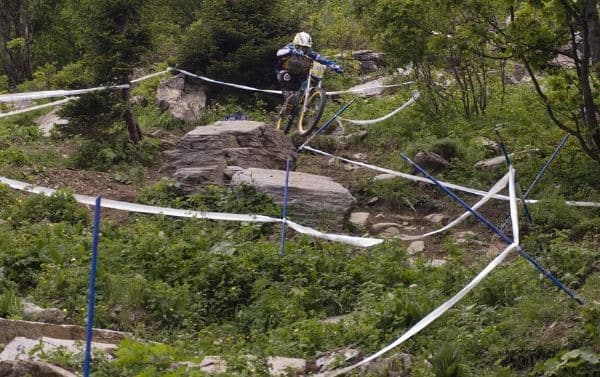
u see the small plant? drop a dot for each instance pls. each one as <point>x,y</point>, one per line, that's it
<point>60,206</point>
<point>447,362</point>
<point>10,303</point>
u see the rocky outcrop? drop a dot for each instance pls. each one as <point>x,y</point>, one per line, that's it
<point>312,199</point>
<point>10,329</point>
<point>27,368</point>
<point>370,61</point>
<point>184,98</point>
<point>211,154</point>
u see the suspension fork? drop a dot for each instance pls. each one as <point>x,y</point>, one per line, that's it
<point>306,94</point>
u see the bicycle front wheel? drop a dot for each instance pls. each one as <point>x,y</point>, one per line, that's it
<point>314,110</point>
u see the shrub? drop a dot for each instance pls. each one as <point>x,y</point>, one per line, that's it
<point>60,206</point>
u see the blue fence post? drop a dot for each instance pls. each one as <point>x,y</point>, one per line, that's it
<point>508,164</point>
<point>540,173</point>
<point>491,226</point>
<point>284,212</point>
<point>92,292</point>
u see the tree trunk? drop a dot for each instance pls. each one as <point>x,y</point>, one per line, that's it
<point>135,133</point>
<point>590,15</point>
<point>14,23</point>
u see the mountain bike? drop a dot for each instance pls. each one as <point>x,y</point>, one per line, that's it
<point>308,104</point>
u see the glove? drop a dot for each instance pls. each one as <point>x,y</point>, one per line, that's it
<point>336,68</point>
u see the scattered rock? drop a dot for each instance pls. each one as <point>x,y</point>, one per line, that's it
<point>416,247</point>
<point>390,232</point>
<point>337,358</point>
<point>359,219</point>
<point>27,368</point>
<point>350,167</point>
<point>404,218</point>
<point>500,160</point>
<point>490,162</point>
<point>372,201</point>
<point>437,262</point>
<point>384,177</point>
<point>213,365</point>
<point>431,161</point>
<point>398,365</point>
<point>32,312</point>
<point>48,121</point>
<point>436,218</point>
<point>204,154</point>
<point>488,144</point>
<point>464,237</point>
<point>185,99</point>
<point>281,366</point>
<point>383,226</point>
<point>312,199</point>
<point>359,156</point>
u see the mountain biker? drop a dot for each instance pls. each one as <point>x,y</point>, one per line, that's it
<point>295,61</point>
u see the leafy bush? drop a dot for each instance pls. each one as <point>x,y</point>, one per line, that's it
<point>58,207</point>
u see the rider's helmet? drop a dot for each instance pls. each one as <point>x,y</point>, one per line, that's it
<point>302,40</point>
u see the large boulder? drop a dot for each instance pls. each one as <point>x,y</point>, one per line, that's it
<point>210,154</point>
<point>313,200</point>
<point>183,97</point>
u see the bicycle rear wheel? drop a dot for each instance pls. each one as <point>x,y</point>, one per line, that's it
<point>314,110</point>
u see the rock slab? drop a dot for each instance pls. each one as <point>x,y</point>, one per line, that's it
<point>211,154</point>
<point>10,329</point>
<point>313,200</point>
<point>28,368</point>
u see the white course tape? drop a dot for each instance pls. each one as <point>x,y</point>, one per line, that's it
<point>350,240</point>
<point>32,108</point>
<point>412,100</point>
<point>446,184</point>
<point>501,184</point>
<point>142,208</point>
<point>436,313</point>
<point>404,175</point>
<point>514,214</point>
<point>363,90</point>
<point>16,97</point>
<point>245,87</point>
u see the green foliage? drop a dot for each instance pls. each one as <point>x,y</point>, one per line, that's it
<point>577,362</point>
<point>236,41</point>
<point>10,303</point>
<point>112,154</point>
<point>60,206</point>
<point>447,362</point>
